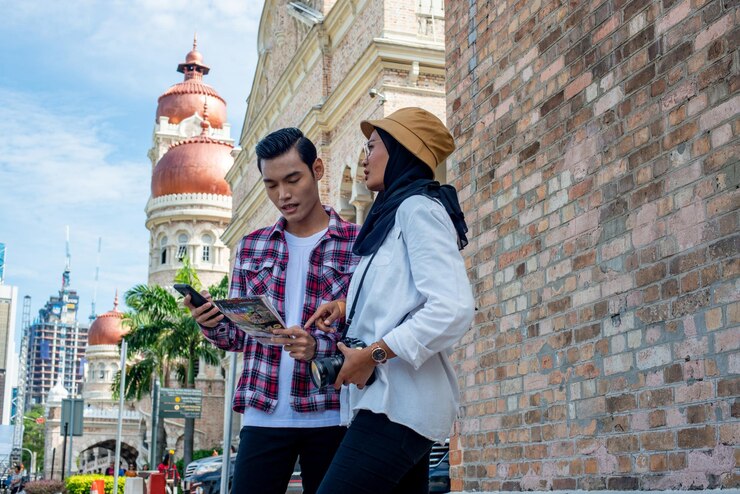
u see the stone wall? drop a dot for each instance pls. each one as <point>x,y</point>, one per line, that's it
<point>598,169</point>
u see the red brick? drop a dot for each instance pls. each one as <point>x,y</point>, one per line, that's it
<point>701,437</point>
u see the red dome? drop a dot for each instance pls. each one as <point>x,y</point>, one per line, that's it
<point>195,165</point>
<point>107,329</point>
<point>186,98</point>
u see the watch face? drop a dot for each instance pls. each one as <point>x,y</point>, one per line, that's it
<point>379,355</point>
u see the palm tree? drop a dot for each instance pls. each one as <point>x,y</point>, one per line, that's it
<point>164,339</point>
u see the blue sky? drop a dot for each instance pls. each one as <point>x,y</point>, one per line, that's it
<point>79,82</point>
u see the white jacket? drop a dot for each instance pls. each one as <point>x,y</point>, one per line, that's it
<point>418,271</point>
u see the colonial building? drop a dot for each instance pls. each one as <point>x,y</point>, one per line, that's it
<point>94,450</point>
<point>190,203</point>
<point>189,208</point>
<point>598,171</point>
<point>323,67</point>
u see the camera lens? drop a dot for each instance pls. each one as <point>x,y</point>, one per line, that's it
<point>317,373</point>
<point>324,371</point>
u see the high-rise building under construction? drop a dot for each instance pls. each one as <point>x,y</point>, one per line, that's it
<point>57,343</point>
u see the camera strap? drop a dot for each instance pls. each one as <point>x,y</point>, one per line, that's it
<point>351,315</point>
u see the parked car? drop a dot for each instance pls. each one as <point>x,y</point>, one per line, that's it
<point>193,466</point>
<point>439,467</point>
<point>206,478</point>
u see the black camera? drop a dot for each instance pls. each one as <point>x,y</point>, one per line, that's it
<point>324,371</point>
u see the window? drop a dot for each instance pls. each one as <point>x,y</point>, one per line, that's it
<point>207,241</point>
<point>182,247</point>
<point>163,250</point>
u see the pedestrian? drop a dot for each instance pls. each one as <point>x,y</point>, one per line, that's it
<point>413,302</point>
<point>168,468</point>
<point>301,261</point>
<point>16,480</point>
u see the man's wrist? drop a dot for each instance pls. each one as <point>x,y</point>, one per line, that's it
<point>313,349</point>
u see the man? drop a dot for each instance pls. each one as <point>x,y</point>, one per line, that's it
<point>300,262</point>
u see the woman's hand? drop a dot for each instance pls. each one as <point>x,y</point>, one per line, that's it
<point>326,315</point>
<point>300,344</point>
<point>357,368</point>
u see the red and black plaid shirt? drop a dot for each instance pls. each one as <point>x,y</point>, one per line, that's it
<point>259,268</point>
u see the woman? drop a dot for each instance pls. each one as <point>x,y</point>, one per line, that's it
<point>169,469</point>
<point>412,306</point>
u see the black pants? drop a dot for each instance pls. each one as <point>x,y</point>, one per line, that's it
<point>378,456</point>
<point>267,455</point>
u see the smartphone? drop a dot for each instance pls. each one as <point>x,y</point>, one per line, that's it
<point>195,298</point>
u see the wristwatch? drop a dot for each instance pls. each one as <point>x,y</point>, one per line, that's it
<point>377,353</point>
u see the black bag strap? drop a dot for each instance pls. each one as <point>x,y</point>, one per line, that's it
<point>351,315</point>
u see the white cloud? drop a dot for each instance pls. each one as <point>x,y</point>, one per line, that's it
<point>79,92</point>
<point>56,170</point>
<point>133,48</point>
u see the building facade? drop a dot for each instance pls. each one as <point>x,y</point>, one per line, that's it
<point>323,67</point>
<point>597,168</point>
<point>8,354</point>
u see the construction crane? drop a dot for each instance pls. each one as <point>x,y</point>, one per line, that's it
<point>20,398</point>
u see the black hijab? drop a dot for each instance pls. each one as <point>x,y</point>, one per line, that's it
<point>405,176</point>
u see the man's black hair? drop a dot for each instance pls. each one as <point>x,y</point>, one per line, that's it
<point>281,141</point>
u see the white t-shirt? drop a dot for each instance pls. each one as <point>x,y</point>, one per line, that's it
<point>296,276</point>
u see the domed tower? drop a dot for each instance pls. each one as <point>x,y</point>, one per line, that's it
<point>190,203</point>
<point>103,356</point>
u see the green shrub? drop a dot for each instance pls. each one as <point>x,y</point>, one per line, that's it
<point>44,487</point>
<point>80,484</point>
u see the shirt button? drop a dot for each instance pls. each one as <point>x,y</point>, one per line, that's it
<point>341,268</point>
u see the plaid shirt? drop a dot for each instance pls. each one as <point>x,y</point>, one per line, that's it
<point>260,268</point>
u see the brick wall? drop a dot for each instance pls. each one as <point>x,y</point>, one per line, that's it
<point>598,169</point>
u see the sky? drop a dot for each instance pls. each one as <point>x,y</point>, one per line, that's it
<point>79,82</point>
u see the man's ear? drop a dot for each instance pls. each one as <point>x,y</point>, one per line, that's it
<point>318,169</point>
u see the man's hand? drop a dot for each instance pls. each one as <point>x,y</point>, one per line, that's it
<point>326,315</point>
<point>300,344</point>
<point>206,315</point>
<point>357,368</point>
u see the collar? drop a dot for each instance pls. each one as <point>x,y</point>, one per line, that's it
<point>338,227</point>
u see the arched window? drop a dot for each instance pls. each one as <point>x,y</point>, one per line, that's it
<point>182,246</point>
<point>101,372</point>
<point>207,243</point>
<point>163,250</point>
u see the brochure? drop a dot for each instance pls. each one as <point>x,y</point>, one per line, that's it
<point>256,316</point>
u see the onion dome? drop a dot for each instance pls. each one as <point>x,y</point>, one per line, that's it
<point>195,165</point>
<point>107,329</point>
<point>184,99</point>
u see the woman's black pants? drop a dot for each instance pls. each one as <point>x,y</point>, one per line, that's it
<point>378,456</point>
